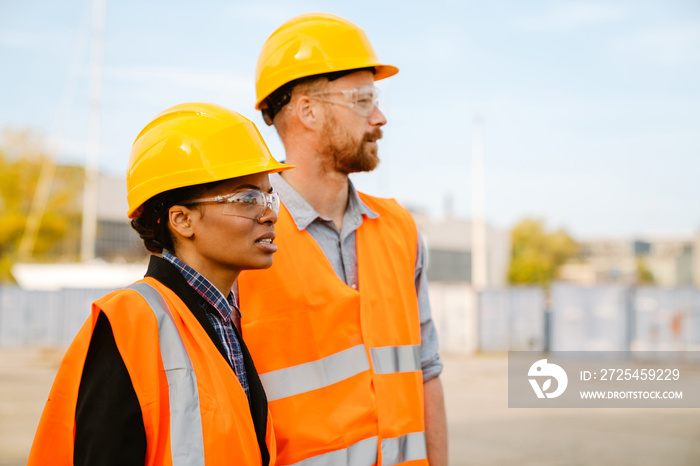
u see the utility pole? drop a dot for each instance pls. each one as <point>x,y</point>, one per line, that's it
<point>48,167</point>
<point>89,227</point>
<point>479,247</point>
<point>38,207</point>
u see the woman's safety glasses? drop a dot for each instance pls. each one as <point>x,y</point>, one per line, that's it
<point>362,99</point>
<point>251,203</point>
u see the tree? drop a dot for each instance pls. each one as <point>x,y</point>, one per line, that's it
<point>22,155</point>
<point>643,274</point>
<point>537,254</point>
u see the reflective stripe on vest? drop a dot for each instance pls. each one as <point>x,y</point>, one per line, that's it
<point>186,438</point>
<point>326,371</point>
<point>408,447</point>
<point>315,374</point>
<point>397,450</point>
<point>391,359</point>
<point>363,453</point>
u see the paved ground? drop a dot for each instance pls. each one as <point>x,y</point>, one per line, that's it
<point>483,431</point>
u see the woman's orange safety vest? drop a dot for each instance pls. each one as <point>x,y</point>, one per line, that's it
<point>340,366</point>
<point>195,411</point>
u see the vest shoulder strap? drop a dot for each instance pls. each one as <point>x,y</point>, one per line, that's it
<point>186,437</point>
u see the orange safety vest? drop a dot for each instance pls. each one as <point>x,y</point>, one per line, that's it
<point>195,411</point>
<point>341,367</point>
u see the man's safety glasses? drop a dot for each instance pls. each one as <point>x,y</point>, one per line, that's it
<point>362,99</point>
<point>250,203</point>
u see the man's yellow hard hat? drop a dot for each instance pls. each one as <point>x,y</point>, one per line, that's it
<point>190,144</point>
<point>311,44</point>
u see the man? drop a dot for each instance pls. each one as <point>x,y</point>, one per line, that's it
<point>340,327</point>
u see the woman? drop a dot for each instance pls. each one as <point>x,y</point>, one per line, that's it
<point>159,375</point>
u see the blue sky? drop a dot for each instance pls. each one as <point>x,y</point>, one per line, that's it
<point>590,108</point>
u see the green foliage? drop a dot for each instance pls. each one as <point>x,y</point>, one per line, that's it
<point>537,254</point>
<point>643,273</point>
<point>21,158</point>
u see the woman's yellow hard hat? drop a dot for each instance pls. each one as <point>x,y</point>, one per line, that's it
<point>190,144</point>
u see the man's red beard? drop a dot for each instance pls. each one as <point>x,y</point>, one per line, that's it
<point>348,155</point>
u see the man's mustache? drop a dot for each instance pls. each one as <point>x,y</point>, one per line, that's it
<point>373,135</point>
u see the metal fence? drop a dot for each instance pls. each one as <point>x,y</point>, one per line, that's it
<point>590,318</point>
<point>50,318</point>
<point>454,314</point>
<point>666,320</point>
<point>611,318</point>
<point>512,319</point>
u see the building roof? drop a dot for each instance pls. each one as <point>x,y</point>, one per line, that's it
<point>111,198</point>
<point>95,274</point>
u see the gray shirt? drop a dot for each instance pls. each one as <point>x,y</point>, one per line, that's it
<point>339,246</point>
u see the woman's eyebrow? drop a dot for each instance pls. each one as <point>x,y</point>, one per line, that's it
<point>252,186</point>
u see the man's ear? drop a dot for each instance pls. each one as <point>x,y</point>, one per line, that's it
<point>306,111</point>
<point>180,220</point>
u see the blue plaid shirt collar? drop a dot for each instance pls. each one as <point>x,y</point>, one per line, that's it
<point>223,305</point>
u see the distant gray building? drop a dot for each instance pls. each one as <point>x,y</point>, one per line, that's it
<point>449,245</point>
<point>116,240</point>
<point>671,260</point>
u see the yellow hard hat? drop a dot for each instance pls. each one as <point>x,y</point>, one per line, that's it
<point>311,44</point>
<point>191,144</point>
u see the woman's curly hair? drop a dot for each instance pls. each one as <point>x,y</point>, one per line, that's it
<point>152,225</point>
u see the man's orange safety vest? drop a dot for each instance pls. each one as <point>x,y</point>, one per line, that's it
<point>340,366</point>
<point>194,409</point>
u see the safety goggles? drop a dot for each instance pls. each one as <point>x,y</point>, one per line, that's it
<point>250,203</point>
<point>362,99</point>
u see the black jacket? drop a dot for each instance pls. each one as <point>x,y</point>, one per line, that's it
<point>109,424</point>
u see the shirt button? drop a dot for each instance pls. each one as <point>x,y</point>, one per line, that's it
<point>354,286</point>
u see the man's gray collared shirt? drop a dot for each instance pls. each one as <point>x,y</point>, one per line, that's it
<point>339,246</point>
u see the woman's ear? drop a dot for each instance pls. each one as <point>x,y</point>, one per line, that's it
<point>180,220</point>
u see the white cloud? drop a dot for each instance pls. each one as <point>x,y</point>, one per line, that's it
<point>200,79</point>
<point>274,13</point>
<point>443,46</point>
<point>671,45</point>
<point>21,39</point>
<point>565,16</point>
<point>75,151</point>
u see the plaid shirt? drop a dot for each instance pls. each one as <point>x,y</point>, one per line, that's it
<point>221,319</point>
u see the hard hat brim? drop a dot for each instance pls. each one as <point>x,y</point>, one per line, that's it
<point>176,181</point>
<point>381,72</point>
